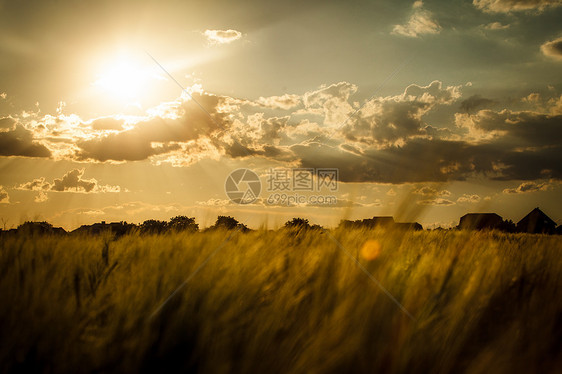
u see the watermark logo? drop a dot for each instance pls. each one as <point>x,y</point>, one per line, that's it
<point>287,186</point>
<point>242,186</point>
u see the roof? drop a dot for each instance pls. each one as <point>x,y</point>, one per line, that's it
<point>481,215</point>
<point>535,215</point>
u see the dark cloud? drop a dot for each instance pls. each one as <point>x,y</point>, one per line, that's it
<point>72,181</point>
<point>434,160</point>
<point>129,145</point>
<point>182,122</point>
<point>475,103</point>
<point>419,160</point>
<point>20,142</point>
<point>516,129</point>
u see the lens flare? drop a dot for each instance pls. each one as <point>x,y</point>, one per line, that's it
<point>371,249</point>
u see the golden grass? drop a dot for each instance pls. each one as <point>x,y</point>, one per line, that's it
<point>282,302</point>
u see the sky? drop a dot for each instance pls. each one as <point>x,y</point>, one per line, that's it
<point>421,110</point>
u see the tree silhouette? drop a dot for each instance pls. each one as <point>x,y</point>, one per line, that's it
<point>153,226</point>
<point>228,223</point>
<point>301,224</point>
<point>183,223</point>
<point>35,227</point>
<point>298,223</point>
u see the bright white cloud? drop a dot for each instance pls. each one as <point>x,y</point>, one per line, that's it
<point>420,22</point>
<point>222,36</point>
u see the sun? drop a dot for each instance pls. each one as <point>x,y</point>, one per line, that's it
<point>124,79</point>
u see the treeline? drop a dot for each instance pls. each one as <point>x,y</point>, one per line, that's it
<point>188,224</point>
<point>150,227</point>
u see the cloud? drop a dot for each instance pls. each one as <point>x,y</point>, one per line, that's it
<point>468,198</point>
<point>389,140</point>
<point>106,123</point>
<point>421,22</point>
<point>430,191</point>
<point>439,160</point>
<point>553,48</point>
<point>285,102</point>
<point>527,187</point>
<point>331,102</point>
<point>556,108</point>
<point>496,26</point>
<point>532,98</point>
<point>436,202</point>
<point>72,181</point>
<point>475,103</point>
<point>222,36</point>
<point>7,123</point>
<point>41,197</point>
<point>214,202</point>
<point>39,184</point>
<point>506,6</point>
<point>171,129</point>
<point>512,129</point>
<point>20,142</point>
<point>418,160</point>
<point>393,119</point>
<point>4,197</point>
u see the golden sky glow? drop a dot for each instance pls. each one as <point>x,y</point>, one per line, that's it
<point>428,109</point>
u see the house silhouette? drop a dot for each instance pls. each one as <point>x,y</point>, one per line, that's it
<point>480,221</point>
<point>536,222</point>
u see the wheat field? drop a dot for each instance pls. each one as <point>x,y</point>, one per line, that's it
<point>284,301</point>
